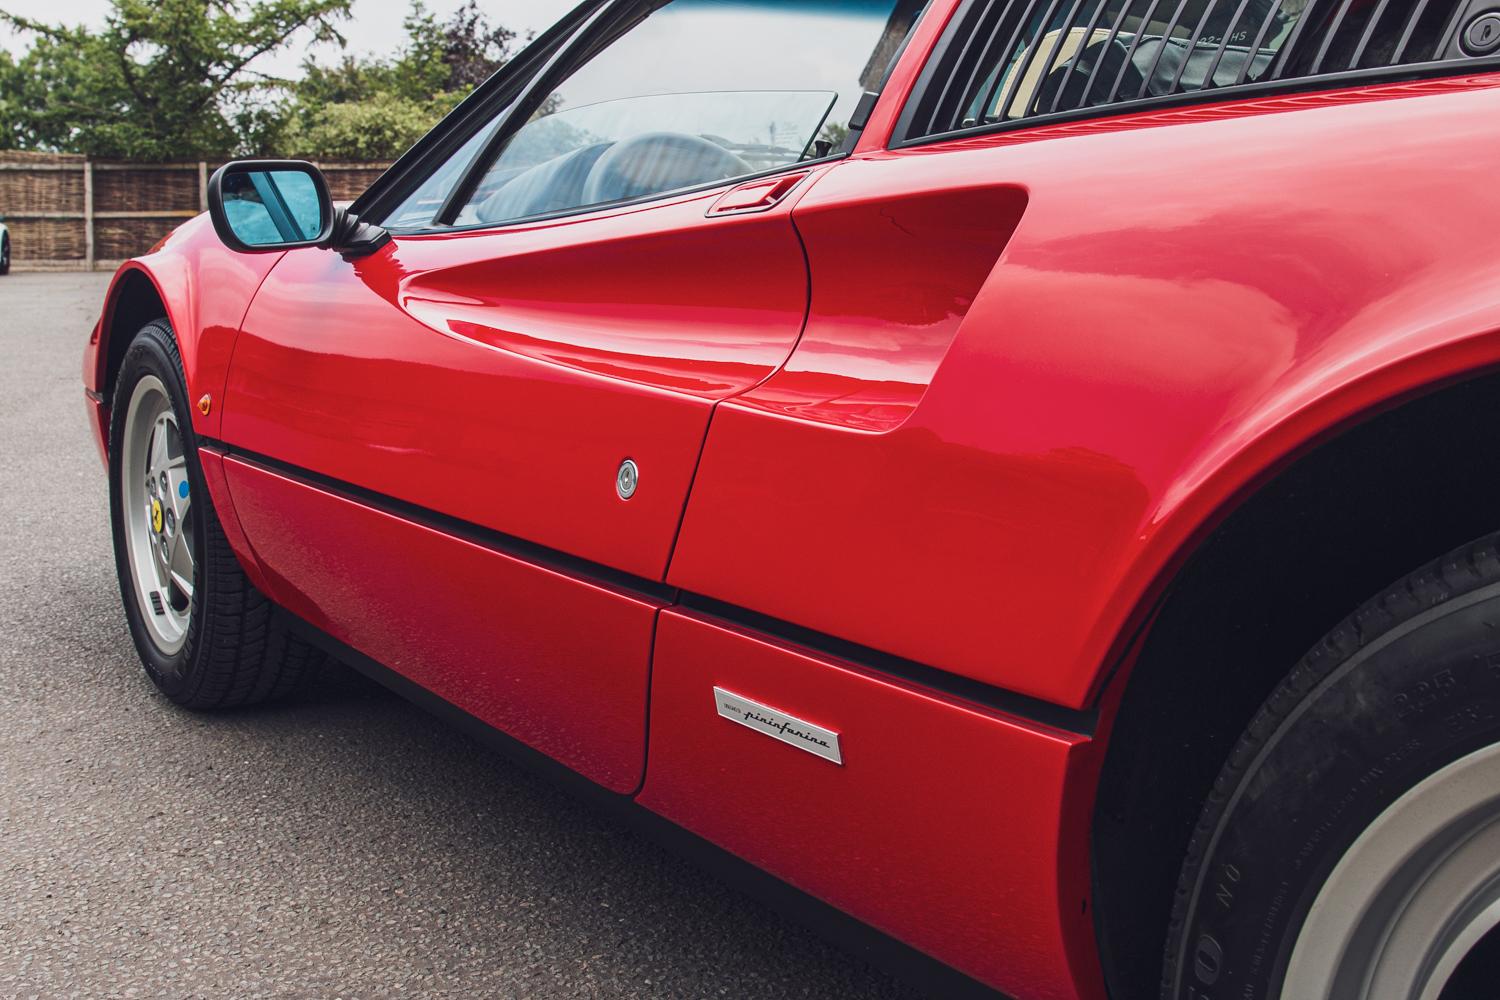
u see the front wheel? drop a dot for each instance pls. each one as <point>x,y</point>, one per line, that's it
<point>1350,849</point>
<point>5,255</point>
<point>206,636</point>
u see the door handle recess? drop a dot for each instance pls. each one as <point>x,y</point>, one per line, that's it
<point>757,196</point>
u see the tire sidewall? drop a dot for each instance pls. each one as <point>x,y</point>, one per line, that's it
<point>154,352</point>
<point>1393,713</point>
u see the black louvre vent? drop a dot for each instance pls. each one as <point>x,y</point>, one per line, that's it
<point>1016,60</point>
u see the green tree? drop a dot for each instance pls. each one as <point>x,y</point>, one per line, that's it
<point>163,79</point>
<point>375,108</point>
<point>377,128</point>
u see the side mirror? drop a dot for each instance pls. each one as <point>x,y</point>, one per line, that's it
<point>261,206</point>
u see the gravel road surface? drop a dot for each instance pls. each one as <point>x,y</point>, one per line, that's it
<point>348,846</point>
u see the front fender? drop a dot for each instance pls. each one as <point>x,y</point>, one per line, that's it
<point>203,289</point>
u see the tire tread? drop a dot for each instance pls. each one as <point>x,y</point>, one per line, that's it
<point>242,654</point>
<point>1466,569</point>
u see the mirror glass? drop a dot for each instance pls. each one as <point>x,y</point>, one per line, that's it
<point>267,207</point>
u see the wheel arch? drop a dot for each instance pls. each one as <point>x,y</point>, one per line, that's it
<point>134,299</point>
<point>1376,477</point>
<point>172,282</point>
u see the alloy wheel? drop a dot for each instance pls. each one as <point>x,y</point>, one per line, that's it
<point>157,515</point>
<point>1415,895</point>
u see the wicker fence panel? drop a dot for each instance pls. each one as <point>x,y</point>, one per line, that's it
<point>121,239</point>
<point>65,212</point>
<point>119,189</point>
<point>39,191</point>
<point>347,181</point>
<point>54,240</point>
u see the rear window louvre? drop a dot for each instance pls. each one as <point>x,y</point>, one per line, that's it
<point>1006,62</point>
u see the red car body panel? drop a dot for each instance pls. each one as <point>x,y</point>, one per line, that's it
<point>494,635</point>
<point>502,378</point>
<point>1012,381</point>
<point>181,269</point>
<point>1171,319</point>
<point>961,861</point>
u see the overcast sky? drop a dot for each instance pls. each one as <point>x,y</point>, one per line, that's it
<point>375,26</point>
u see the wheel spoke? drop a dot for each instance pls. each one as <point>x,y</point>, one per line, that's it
<point>180,564</point>
<point>156,459</point>
<point>159,536</point>
<point>179,495</point>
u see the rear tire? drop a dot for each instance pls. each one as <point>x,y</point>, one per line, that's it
<point>5,255</point>
<point>1349,801</point>
<point>207,638</point>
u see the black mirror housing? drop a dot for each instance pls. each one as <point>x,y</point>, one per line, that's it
<point>267,206</point>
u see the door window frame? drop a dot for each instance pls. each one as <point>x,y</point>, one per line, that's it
<point>515,96</point>
<point>489,101</point>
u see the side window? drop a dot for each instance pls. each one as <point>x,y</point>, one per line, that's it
<point>1006,61</point>
<point>418,208</point>
<point>422,206</point>
<point>696,92</point>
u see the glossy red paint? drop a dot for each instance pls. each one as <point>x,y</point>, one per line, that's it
<point>1190,298</point>
<point>876,135</point>
<point>922,832</point>
<point>498,637</point>
<point>206,289</point>
<point>502,377</point>
<point>760,195</point>
<point>1035,367</point>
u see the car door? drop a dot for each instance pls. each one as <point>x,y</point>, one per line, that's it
<point>467,454</point>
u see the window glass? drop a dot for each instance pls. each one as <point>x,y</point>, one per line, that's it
<point>268,207</point>
<point>423,204</point>
<point>1141,49</point>
<point>1009,60</point>
<point>420,208</point>
<point>699,91</point>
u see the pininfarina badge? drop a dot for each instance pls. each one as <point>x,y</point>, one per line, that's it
<point>778,725</point>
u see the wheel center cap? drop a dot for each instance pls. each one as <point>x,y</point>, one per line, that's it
<point>156,516</point>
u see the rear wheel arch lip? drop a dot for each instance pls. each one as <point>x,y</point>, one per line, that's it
<point>1204,498</point>
<point>1250,471</point>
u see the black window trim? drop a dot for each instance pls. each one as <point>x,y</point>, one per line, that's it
<point>612,20</point>
<point>476,112</point>
<point>901,137</point>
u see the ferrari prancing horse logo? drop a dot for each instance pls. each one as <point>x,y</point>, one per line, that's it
<point>156,516</point>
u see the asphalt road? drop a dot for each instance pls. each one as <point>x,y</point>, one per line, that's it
<point>348,846</point>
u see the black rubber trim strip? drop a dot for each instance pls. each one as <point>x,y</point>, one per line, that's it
<point>847,932</point>
<point>955,686</point>
<point>1023,707</point>
<point>489,538</point>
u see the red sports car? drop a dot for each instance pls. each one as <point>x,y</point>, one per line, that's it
<point>1022,472</point>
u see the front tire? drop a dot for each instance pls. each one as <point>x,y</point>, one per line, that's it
<point>1351,845</point>
<point>207,638</point>
<point>4,255</point>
